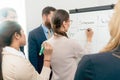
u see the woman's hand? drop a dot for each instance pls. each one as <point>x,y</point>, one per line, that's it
<point>89,34</point>
<point>47,53</point>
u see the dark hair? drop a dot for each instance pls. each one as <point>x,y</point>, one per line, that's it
<point>4,12</point>
<point>7,30</point>
<point>47,10</point>
<point>57,20</point>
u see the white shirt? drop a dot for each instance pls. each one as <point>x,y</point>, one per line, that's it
<point>16,67</point>
<point>14,51</point>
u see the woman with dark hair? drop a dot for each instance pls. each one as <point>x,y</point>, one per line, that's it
<point>66,51</point>
<point>14,64</point>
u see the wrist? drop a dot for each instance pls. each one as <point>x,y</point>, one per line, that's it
<point>47,63</point>
<point>89,40</point>
<point>47,58</point>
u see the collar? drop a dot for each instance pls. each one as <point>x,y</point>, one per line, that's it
<point>45,28</point>
<point>13,51</point>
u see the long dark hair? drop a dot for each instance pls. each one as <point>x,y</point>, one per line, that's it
<point>57,20</point>
<point>7,30</point>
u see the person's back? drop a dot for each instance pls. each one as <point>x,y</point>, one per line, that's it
<point>103,66</point>
<point>66,51</point>
<point>64,57</point>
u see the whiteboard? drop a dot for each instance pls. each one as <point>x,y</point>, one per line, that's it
<point>96,20</point>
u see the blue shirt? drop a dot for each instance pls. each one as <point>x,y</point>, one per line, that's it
<point>45,29</point>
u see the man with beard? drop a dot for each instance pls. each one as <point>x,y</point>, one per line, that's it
<point>37,36</point>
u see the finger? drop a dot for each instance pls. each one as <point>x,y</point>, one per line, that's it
<point>44,43</point>
<point>89,29</point>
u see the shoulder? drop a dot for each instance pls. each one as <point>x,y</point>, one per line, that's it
<point>98,55</point>
<point>103,55</point>
<point>97,58</point>
<point>50,39</point>
<point>36,30</point>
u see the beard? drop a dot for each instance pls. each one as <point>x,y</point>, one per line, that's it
<point>48,24</point>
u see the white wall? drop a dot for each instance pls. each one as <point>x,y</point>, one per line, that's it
<point>34,8</point>
<point>19,9</point>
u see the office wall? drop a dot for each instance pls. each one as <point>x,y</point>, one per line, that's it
<point>34,8</point>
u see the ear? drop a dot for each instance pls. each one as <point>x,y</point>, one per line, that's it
<point>17,36</point>
<point>64,24</point>
<point>44,17</point>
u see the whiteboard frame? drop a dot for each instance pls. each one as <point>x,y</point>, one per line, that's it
<point>97,8</point>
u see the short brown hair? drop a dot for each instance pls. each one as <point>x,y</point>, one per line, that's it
<point>47,10</point>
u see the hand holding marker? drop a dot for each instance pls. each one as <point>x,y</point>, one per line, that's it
<point>45,48</point>
<point>88,29</point>
<point>41,50</point>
